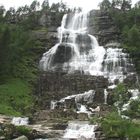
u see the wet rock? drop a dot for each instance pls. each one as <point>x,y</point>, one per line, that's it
<point>102,26</point>
<point>21,138</point>
<point>60,126</point>
<point>70,103</point>
<point>2,138</point>
<point>57,85</point>
<point>84,42</point>
<point>82,116</point>
<point>98,134</point>
<point>5,119</point>
<point>57,113</point>
<point>55,135</point>
<point>63,54</point>
<point>111,100</point>
<point>131,80</point>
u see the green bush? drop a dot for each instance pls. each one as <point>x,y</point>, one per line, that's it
<point>23,130</point>
<point>134,109</point>
<point>121,95</point>
<point>114,126</point>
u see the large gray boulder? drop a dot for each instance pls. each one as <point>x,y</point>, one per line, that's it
<point>21,138</point>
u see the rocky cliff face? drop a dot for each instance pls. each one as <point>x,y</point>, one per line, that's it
<point>57,85</point>
<point>101,25</point>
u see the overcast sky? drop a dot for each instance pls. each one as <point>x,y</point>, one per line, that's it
<point>85,4</point>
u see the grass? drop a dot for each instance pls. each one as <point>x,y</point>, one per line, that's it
<point>15,97</point>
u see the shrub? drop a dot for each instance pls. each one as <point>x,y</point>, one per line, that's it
<point>114,126</point>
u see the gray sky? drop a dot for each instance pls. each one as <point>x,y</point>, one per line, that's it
<point>85,4</point>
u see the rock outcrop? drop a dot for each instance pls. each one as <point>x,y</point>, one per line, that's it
<point>57,85</point>
<point>101,25</point>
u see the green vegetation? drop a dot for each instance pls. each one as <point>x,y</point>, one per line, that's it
<point>123,125</point>
<point>17,56</point>
<point>22,130</point>
<point>17,69</point>
<point>114,126</point>
<point>15,97</point>
<point>20,52</point>
<point>9,131</point>
<point>134,109</point>
<point>121,96</point>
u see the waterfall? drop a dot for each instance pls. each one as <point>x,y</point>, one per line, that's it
<point>18,121</point>
<point>105,96</point>
<point>77,50</point>
<point>86,97</point>
<point>53,104</point>
<point>80,130</point>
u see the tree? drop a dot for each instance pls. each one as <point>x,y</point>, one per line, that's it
<point>126,5</point>
<point>117,4</point>
<point>34,6</point>
<point>2,10</point>
<point>63,7</point>
<point>11,15</point>
<point>4,51</point>
<point>45,5</point>
<point>123,5</point>
<point>55,7</point>
<point>26,9</point>
<point>137,5</point>
<point>134,36</point>
<point>105,5</point>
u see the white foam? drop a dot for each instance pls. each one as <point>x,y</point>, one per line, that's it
<point>105,96</point>
<point>135,94</point>
<point>20,121</point>
<point>80,130</point>
<point>112,86</point>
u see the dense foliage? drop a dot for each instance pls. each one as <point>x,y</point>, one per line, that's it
<point>114,126</point>
<point>20,52</point>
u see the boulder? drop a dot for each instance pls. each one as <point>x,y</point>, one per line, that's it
<point>21,138</point>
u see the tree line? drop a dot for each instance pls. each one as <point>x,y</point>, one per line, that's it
<point>17,44</point>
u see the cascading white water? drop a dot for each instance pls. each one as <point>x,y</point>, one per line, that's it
<point>105,96</point>
<point>18,121</point>
<point>53,104</point>
<point>79,51</point>
<point>135,94</point>
<point>115,64</point>
<point>80,130</point>
<point>86,97</point>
